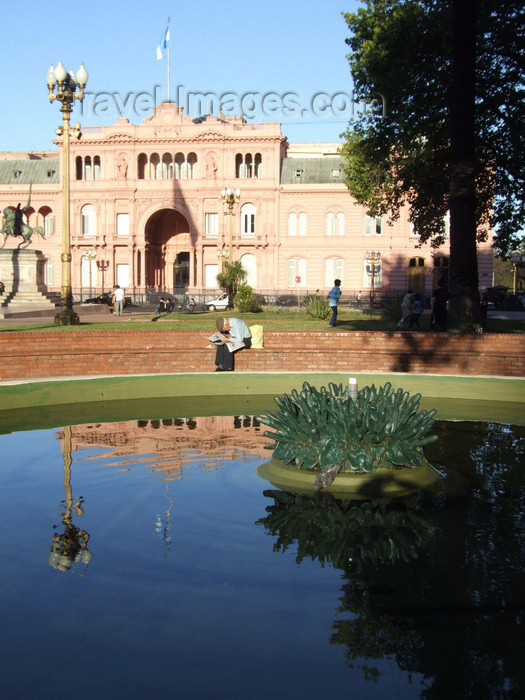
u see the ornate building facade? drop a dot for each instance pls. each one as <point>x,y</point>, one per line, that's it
<point>146,212</point>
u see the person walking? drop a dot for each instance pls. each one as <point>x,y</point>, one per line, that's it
<point>333,300</point>
<point>406,308</point>
<point>438,311</point>
<point>118,297</point>
<point>417,309</point>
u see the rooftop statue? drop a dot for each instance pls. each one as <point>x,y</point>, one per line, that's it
<point>14,224</point>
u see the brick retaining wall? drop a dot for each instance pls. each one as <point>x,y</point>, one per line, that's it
<point>84,353</point>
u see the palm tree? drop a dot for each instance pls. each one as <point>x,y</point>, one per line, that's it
<point>233,274</point>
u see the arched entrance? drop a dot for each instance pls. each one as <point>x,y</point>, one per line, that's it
<point>168,250</point>
<point>416,275</point>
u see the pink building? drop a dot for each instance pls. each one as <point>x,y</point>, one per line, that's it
<point>147,212</point>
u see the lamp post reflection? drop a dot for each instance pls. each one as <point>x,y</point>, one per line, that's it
<point>71,546</point>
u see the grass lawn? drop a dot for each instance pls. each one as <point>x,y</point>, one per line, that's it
<point>282,320</point>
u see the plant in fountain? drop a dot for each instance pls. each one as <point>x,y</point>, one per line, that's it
<point>329,431</point>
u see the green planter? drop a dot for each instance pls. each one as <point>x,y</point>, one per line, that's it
<point>382,483</point>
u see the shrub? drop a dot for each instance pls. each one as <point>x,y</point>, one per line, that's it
<point>392,308</point>
<point>316,307</point>
<point>245,300</point>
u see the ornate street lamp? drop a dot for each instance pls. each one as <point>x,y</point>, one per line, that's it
<point>69,87</point>
<point>90,255</point>
<point>230,198</point>
<point>373,268</point>
<point>222,255</point>
<point>517,260</point>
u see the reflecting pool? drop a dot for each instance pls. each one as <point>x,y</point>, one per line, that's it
<point>147,559</point>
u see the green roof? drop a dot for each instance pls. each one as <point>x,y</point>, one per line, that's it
<point>25,172</point>
<point>311,171</point>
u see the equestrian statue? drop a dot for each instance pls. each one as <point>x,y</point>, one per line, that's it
<point>14,224</point>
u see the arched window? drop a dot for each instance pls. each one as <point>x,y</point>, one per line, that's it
<point>155,167</point>
<point>302,224</point>
<point>340,224</point>
<point>373,224</point>
<point>167,166</point>
<point>238,165</point>
<point>297,271</point>
<point>334,269</point>
<point>249,263</point>
<point>330,224</point>
<point>179,165</point>
<point>96,168</point>
<point>78,168</point>
<point>248,220</point>
<point>88,170</point>
<point>292,224</point>
<point>248,160</point>
<point>192,165</point>
<point>258,165</point>
<point>248,165</point>
<point>49,224</point>
<point>88,220</point>
<point>142,161</point>
<point>292,266</point>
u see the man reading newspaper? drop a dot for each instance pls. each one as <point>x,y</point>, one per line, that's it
<point>232,334</point>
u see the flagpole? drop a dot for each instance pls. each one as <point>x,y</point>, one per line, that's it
<point>169,43</point>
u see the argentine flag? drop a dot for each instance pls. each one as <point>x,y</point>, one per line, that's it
<point>163,43</point>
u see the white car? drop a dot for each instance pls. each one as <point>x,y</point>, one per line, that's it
<point>220,303</point>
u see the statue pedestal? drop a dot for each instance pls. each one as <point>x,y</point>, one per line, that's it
<point>21,273</point>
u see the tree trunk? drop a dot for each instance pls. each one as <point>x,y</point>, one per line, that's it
<point>463,248</point>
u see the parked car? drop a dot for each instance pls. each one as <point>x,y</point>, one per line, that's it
<point>105,299</point>
<point>219,304</point>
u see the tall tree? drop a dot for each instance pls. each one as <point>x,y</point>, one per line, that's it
<point>463,256</point>
<point>402,153</point>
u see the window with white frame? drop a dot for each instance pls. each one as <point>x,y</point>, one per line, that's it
<point>211,220</point>
<point>248,220</point>
<point>48,272</point>
<point>297,271</point>
<point>49,225</point>
<point>88,272</point>
<point>447,224</point>
<point>340,224</point>
<point>330,224</point>
<point>377,270</point>
<point>210,276</point>
<point>122,225</point>
<point>302,224</point>
<point>292,224</point>
<point>249,263</point>
<point>373,224</point>
<point>334,269</point>
<point>89,220</point>
<point>335,225</point>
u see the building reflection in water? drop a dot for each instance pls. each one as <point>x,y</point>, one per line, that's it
<point>167,447</point>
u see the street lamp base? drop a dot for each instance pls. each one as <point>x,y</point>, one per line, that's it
<point>67,317</point>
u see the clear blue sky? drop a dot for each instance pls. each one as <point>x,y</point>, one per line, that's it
<point>295,49</point>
